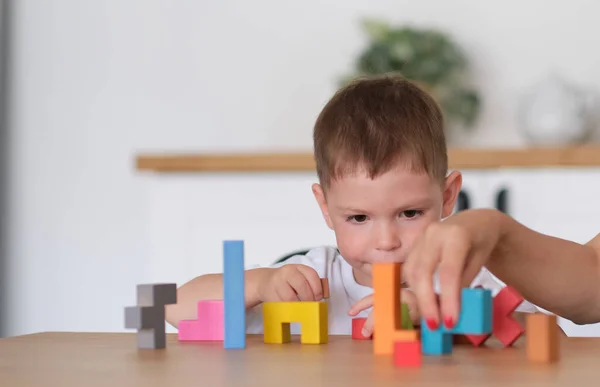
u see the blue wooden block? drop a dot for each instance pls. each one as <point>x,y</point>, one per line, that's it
<point>475,312</point>
<point>475,319</point>
<point>233,295</point>
<point>435,343</point>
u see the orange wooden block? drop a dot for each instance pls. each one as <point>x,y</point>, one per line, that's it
<point>387,309</point>
<point>542,338</point>
<point>325,286</point>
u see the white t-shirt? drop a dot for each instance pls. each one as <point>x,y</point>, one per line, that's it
<point>344,291</point>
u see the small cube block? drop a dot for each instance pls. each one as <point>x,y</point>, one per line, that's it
<point>357,326</point>
<point>152,338</point>
<point>542,338</point>
<point>407,353</point>
<point>325,286</point>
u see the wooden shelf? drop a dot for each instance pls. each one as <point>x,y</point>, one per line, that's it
<point>576,156</point>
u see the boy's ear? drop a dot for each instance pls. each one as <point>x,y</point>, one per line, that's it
<point>452,187</point>
<point>320,196</point>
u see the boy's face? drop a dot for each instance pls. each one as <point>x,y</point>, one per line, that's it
<point>378,220</point>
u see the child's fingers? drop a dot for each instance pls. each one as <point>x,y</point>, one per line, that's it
<point>360,305</point>
<point>419,268</point>
<point>451,267</point>
<point>301,286</point>
<point>314,281</point>
<point>285,292</point>
<point>367,329</point>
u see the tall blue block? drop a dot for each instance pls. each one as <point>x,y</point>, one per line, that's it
<point>475,319</point>
<point>233,295</point>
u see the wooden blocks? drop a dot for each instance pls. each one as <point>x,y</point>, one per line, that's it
<point>405,321</point>
<point>325,287</point>
<point>542,338</point>
<point>233,295</point>
<point>148,317</point>
<point>475,318</point>
<point>207,327</point>
<point>387,309</point>
<point>359,322</point>
<point>357,326</point>
<point>407,354</point>
<point>504,326</point>
<point>312,316</point>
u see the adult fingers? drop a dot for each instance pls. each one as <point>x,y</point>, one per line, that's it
<point>314,281</point>
<point>419,268</point>
<point>454,253</point>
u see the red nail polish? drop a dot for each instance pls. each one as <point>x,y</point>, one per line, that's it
<point>449,322</point>
<point>432,324</point>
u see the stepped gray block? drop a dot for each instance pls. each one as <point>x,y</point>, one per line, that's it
<point>156,294</point>
<point>148,317</point>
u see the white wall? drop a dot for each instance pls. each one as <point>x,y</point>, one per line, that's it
<point>94,82</point>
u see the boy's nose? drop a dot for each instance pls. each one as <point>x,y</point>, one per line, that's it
<point>388,240</point>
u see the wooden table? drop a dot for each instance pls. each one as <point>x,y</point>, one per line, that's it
<point>112,359</point>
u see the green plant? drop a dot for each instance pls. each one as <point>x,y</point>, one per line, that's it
<point>427,57</point>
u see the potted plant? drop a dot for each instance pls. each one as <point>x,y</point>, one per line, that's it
<point>425,56</point>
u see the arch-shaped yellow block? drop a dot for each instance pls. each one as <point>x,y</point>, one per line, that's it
<point>312,316</point>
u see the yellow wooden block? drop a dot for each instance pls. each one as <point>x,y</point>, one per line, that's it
<point>312,316</point>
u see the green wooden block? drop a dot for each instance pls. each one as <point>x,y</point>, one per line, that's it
<point>406,322</point>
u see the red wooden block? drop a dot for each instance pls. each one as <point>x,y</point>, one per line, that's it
<point>477,340</point>
<point>504,326</point>
<point>357,326</point>
<point>407,354</point>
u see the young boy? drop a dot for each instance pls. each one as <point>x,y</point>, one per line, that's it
<point>382,166</point>
<point>560,276</point>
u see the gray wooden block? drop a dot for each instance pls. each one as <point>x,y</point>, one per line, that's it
<point>144,317</point>
<point>148,317</point>
<point>156,294</point>
<point>151,339</point>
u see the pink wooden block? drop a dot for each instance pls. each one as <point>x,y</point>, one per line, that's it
<point>208,326</point>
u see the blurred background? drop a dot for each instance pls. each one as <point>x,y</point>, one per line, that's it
<point>87,85</point>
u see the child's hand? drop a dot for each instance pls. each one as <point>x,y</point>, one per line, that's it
<point>457,248</point>
<point>407,297</point>
<point>291,283</point>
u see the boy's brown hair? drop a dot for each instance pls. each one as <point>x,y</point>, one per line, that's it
<point>375,123</point>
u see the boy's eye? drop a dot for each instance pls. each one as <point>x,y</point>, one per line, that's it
<point>411,213</point>
<point>357,218</point>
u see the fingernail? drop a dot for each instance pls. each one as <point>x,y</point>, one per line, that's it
<point>432,324</point>
<point>365,333</point>
<point>449,322</point>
